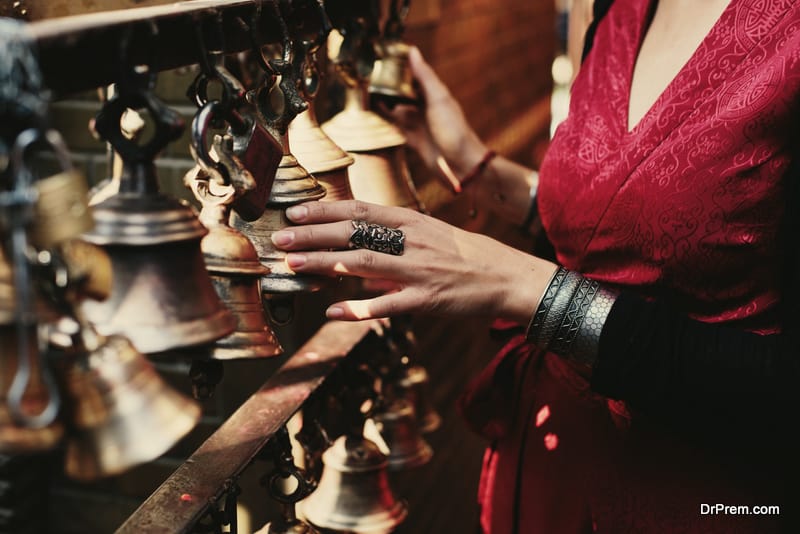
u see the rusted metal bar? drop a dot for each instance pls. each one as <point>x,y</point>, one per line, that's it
<point>82,52</point>
<point>199,482</point>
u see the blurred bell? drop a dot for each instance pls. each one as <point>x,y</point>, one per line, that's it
<point>380,172</point>
<point>406,447</point>
<point>353,493</point>
<point>320,155</point>
<point>232,263</point>
<point>391,79</point>
<point>123,413</point>
<point>293,185</point>
<point>16,437</point>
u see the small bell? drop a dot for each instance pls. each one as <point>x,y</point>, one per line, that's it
<point>123,413</point>
<point>293,183</point>
<point>162,296</point>
<point>397,425</point>
<point>353,493</point>
<point>232,263</point>
<point>391,79</point>
<point>380,172</point>
<point>320,155</point>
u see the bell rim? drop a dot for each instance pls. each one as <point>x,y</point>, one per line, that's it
<point>146,338</point>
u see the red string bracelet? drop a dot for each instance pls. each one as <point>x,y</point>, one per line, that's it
<point>478,169</point>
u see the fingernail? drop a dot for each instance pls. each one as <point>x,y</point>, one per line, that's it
<point>297,213</point>
<point>334,312</point>
<point>295,260</point>
<point>283,237</point>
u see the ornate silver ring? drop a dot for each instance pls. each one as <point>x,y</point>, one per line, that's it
<point>377,237</point>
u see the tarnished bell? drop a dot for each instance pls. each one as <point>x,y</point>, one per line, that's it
<point>391,78</point>
<point>412,385</point>
<point>353,493</point>
<point>15,438</point>
<point>397,425</point>
<point>232,262</point>
<point>162,297</point>
<point>293,184</point>
<point>380,172</point>
<point>323,158</point>
<point>123,412</point>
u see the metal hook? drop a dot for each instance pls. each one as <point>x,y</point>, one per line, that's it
<point>23,201</point>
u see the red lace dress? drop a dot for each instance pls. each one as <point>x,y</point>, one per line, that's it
<point>683,207</point>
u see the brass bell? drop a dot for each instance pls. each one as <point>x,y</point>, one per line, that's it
<point>391,78</point>
<point>162,297</point>
<point>354,493</point>
<point>380,172</point>
<point>397,425</point>
<point>123,413</point>
<point>293,184</point>
<point>320,155</point>
<point>233,265</point>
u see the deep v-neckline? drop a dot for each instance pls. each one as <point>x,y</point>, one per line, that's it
<point>647,18</point>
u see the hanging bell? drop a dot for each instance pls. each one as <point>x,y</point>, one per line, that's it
<point>233,265</point>
<point>397,425</point>
<point>162,297</point>
<point>326,161</point>
<point>353,493</point>
<point>293,185</point>
<point>391,79</point>
<point>380,172</point>
<point>123,413</point>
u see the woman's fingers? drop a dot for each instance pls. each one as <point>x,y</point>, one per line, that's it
<point>386,305</point>
<point>314,236</point>
<point>359,262</point>
<point>347,210</point>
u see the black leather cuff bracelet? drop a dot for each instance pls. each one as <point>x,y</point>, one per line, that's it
<point>570,316</point>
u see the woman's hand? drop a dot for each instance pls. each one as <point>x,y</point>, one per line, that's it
<point>442,269</point>
<point>438,130</point>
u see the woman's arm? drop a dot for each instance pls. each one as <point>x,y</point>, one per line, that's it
<point>438,130</point>
<point>661,361</point>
